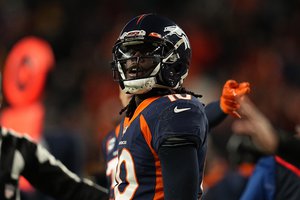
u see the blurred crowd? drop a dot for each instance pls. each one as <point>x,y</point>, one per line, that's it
<point>246,40</point>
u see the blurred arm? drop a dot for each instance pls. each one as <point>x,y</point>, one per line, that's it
<point>51,177</point>
<point>256,125</point>
<point>271,141</point>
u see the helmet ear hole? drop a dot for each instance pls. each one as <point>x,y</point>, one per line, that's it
<point>171,74</point>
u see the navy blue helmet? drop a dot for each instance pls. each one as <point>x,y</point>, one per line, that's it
<point>151,52</point>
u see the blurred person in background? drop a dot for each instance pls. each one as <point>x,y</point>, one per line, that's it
<point>277,176</point>
<point>20,155</point>
<point>265,135</point>
<point>24,77</point>
<point>227,179</point>
<point>25,73</point>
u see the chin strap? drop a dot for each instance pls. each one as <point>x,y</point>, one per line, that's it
<point>139,86</point>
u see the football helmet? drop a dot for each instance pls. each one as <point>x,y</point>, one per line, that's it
<point>151,52</point>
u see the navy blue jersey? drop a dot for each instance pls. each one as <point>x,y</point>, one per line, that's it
<point>138,172</point>
<point>109,144</point>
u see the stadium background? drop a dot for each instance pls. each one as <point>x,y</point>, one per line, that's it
<point>247,40</point>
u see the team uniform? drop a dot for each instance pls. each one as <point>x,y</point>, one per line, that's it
<point>20,156</point>
<point>139,174</point>
<point>110,151</point>
<point>162,141</point>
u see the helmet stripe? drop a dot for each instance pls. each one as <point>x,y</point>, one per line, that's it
<point>140,19</point>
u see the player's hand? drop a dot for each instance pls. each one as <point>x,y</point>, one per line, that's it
<point>232,92</point>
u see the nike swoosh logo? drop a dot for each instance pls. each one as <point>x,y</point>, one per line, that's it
<point>178,110</point>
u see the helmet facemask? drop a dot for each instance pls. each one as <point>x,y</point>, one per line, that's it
<point>137,64</point>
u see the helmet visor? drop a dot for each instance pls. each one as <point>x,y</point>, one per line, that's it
<point>133,48</point>
<point>138,59</point>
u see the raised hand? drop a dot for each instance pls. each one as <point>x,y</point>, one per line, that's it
<point>232,92</point>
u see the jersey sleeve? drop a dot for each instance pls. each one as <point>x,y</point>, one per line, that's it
<point>182,119</point>
<point>214,114</point>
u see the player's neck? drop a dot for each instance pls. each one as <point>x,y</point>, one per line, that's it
<point>152,93</point>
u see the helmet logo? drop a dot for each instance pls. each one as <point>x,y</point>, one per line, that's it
<point>134,33</point>
<point>179,33</point>
<point>153,34</point>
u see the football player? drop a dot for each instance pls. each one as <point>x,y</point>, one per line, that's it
<point>215,111</point>
<point>162,141</point>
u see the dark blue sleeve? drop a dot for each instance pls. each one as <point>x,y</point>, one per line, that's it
<point>261,185</point>
<point>214,114</point>
<point>190,123</point>
<point>180,172</point>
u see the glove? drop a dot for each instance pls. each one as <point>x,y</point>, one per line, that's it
<point>232,92</point>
